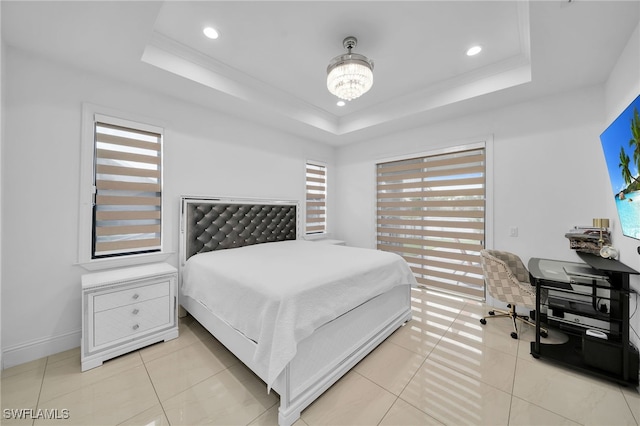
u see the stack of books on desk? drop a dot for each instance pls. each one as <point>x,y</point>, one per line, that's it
<point>587,239</point>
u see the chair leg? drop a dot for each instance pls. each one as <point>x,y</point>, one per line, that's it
<point>514,320</point>
<point>500,313</point>
<point>492,314</point>
<point>511,313</point>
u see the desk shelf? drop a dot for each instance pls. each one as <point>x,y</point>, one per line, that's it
<point>573,306</point>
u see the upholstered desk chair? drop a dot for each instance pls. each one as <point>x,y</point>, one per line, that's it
<point>507,280</point>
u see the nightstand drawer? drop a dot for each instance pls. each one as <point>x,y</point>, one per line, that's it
<point>118,323</point>
<point>134,295</point>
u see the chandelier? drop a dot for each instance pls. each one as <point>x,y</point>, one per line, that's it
<point>350,75</point>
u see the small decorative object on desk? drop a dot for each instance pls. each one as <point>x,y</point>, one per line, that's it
<point>588,239</point>
<point>609,252</point>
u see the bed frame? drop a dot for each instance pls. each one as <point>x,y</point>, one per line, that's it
<point>322,358</point>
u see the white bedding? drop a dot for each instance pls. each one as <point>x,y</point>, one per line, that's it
<point>277,294</point>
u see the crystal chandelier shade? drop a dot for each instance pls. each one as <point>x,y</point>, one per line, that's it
<point>349,76</point>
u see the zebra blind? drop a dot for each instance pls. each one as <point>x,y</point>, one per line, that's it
<point>316,203</point>
<point>128,191</point>
<point>431,211</point>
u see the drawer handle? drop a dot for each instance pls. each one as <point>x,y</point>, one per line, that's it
<point>135,296</point>
<point>135,312</point>
<point>135,327</point>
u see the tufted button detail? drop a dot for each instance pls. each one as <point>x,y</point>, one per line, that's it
<point>221,226</point>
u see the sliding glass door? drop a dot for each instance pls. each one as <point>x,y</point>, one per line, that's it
<point>431,211</point>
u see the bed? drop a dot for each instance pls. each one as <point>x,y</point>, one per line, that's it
<point>299,314</point>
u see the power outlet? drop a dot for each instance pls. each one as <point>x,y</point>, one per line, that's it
<point>513,231</point>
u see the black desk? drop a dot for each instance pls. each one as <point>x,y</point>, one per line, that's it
<point>575,292</point>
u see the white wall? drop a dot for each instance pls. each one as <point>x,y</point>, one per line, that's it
<point>622,87</point>
<point>206,153</point>
<point>549,171</point>
<point>544,182</point>
<point>543,174</point>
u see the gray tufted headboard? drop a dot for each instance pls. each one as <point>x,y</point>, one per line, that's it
<point>216,224</point>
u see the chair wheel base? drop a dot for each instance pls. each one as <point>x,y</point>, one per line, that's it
<point>483,321</point>
<point>544,334</point>
<point>491,313</point>
<point>514,335</point>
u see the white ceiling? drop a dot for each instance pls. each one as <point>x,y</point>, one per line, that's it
<point>269,63</point>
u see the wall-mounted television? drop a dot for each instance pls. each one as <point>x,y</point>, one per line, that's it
<point>621,146</point>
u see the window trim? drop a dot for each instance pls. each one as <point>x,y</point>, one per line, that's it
<point>325,233</point>
<point>91,114</point>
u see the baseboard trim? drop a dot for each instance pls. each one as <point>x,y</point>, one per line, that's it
<point>39,348</point>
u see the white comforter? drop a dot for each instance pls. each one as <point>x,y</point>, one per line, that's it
<point>277,294</point>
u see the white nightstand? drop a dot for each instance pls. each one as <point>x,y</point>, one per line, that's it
<point>126,309</point>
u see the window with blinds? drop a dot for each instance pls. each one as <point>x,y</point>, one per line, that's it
<point>316,203</point>
<point>431,211</point>
<point>128,191</point>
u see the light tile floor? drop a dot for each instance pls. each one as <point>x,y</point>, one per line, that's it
<point>441,368</point>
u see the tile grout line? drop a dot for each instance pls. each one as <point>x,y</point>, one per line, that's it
<point>263,413</point>
<point>44,372</point>
<point>144,363</point>
<point>527,401</point>
<point>626,400</point>
<point>380,386</point>
<point>154,389</point>
<point>513,382</point>
<point>388,409</point>
<point>192,385</point>
<point>414,374</point>
<point>422,364</point>
<point>114,374</point>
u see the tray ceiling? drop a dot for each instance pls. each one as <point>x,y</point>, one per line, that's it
<point>269,62</point>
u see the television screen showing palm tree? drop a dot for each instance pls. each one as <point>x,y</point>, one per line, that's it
<point>621,145</point>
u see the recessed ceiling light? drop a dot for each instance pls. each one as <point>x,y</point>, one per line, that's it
<point>474,50</point>
<point>211,33</point>
<point>341,103</point>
